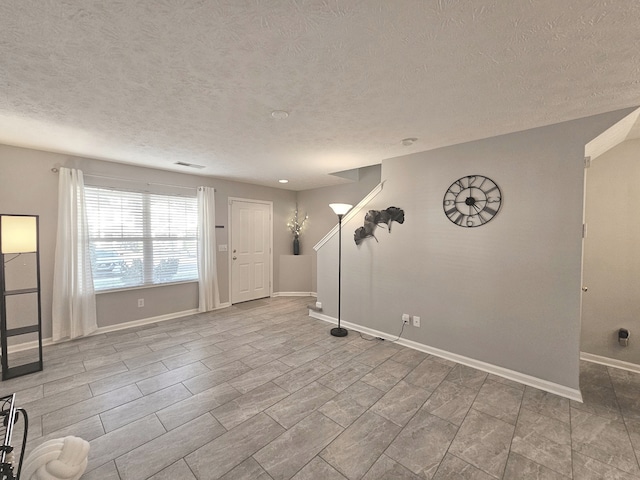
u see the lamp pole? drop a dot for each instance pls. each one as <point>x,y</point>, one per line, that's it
<point>340,209</point>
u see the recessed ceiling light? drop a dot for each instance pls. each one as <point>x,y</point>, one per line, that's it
<point>409,141</point>
<point>279,114</point>
<point>283,180</point>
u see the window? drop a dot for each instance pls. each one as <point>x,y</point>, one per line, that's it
<point>139,238</point>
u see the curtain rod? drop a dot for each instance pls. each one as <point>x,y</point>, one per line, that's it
<point>107,177</point>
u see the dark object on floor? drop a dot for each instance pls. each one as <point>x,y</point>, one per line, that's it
<point>9,458</point>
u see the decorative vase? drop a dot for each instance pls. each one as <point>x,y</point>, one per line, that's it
<point>296,246</point>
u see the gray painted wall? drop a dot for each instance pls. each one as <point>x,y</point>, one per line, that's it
<point>321,218</point>
<point>28,186</point>
<point>507,293</point>
<point>612,254</point>
<point>296,274</point>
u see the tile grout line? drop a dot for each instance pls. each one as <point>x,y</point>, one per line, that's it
<point>284,316</point>
<point>624,420</point>
<point>412,416</point>
<point>458,430</point>
<point>515,427</point>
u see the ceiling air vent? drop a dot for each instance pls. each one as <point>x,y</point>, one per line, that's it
<point>190,165</point>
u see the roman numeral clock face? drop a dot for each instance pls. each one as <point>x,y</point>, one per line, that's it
<point>472,201</point>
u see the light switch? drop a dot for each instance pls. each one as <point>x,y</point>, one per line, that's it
<point>222,248</point>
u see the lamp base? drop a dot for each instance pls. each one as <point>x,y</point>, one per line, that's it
<point>339,332</point>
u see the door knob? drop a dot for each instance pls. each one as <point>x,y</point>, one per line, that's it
<point>235,258</point>
<point>584,289</point>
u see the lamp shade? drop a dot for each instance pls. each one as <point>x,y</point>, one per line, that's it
<point>18,234</point>
<point>340,208</point>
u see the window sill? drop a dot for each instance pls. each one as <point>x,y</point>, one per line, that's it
<point>144,287</point>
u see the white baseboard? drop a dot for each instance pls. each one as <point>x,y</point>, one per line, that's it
<point>113,328</point>
<point>21,347</point>
<point>145,321</point>
<point>294,294</point>
<point>610,362</point>
<point>557,389</point>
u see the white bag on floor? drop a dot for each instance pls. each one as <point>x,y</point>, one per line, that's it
<point>58,459</point>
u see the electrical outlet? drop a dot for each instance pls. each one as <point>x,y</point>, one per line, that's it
<point>140,302</point>
<point>319,305</point>
<point>416,321</point>
<point>405,319</point>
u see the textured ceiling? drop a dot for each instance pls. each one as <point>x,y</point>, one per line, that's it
<point>152,82</point>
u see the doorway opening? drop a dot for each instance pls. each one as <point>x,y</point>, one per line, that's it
<point>611,255</point>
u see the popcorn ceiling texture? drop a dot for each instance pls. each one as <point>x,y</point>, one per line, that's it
<point>152,82</point>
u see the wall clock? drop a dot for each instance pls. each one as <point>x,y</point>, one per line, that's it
<point>472,201</point>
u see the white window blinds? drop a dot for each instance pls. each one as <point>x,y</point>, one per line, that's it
<point>140,238</point>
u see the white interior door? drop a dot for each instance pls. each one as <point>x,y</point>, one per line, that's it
<point>250,250</point>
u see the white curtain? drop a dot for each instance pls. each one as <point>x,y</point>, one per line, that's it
<point>209,296</point>
<point>74,303</point>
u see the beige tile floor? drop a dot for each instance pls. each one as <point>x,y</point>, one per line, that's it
<point>262,391</point>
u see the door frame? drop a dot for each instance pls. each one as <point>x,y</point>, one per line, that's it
<point>586,165</point>
<point>230,241</point>
<point>609,138</point>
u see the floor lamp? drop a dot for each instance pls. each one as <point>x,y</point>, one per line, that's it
<point>19,286</point>
<point>339,209</point>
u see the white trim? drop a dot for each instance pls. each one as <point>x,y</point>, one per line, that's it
<point>610,362</point>
<point>377,189</point>
<point>29,345</point>
<point>570,393</point>
<point>144,321</point>
<point>294,294</point>
<point>114,328</point>
<point>143,287</point>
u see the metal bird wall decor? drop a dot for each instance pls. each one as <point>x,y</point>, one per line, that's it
<point>375,218</point>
